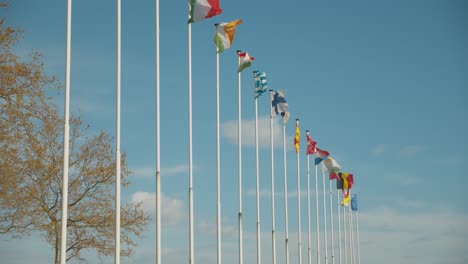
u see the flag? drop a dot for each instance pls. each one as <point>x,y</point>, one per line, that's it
<point>330,165</point>
<point>245,61</point>
<point>311,144</point>
<point>346,198</point>
<point>322,153</point>
<point>280,106</point>
<point>225,34</point>
<point>260,83</point>
<point>346,179</point>
<point>339,182</point>
<point>354,203</point>
<point>333,175</point>
<point>203,9</point>
<point>318,160</point>
<point>297,137</point>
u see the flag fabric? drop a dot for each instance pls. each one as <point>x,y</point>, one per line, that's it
<point>260,83</point>
<point>322,153</point>
<point>330,165</point>
<point>280,106</point>
<point>347,180</point>
<point>346,198</point>
<point>354,203</point>
<point>203,9</point>
<point>311,144</point>
<point>245,61</point>
<point>333,175</point>
<point>297,137</point>
<point>318,160</point>
<point>339,182</point>
<point>225,34</point>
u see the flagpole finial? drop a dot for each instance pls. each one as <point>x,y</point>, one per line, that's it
<point>271,90</point>
<point>297,119</point>
<point>239,51</point>
<point>307,131</point>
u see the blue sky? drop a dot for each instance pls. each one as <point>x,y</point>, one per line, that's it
<point>381,85</point>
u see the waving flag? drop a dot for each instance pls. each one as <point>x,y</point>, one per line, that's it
<point>330,165</point>
<point>346,198</point>
<point>260,83</point>
<point>203,9</point>
<point>297,137</point>
<point>245,60</point>
<point>280,106</point>
<point>311,144</point>
<point>225,34</point>
<point>345,181</point>
<point>354,203</point>
<point>321,155</point>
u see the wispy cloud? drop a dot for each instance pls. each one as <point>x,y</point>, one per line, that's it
<point>379,149</point>
<point>151,171</point>
<point>172,209</point>
<point>411,150</point>
<point>229,130</point>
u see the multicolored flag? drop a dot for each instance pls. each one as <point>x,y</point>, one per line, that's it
<point>345,181</point>
<point>321,155</point>
<point>354,203</point>
<point>203,9</point>
<point>260,83</point>
<point>311,144</point>
<point>297,137</point>
<point>330,165</point>
<point>280,106</point>
<point>225,33</point>
<point>245,60</point>
<point>346,198</point>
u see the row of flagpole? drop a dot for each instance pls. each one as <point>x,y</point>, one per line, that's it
<point>194,7</point>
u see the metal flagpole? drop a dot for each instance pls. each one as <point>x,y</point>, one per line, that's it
<point>331,225</point>
<point>158,144</point>
<point>345,234</point>
<point>66,134</point>
<point>285,196</point>
<point>352,235</point>
<point>191,246</point>
<point>117,148</point>
<point>273,234</point>
<point>317,215</point>
<point>309,244</point>
<point>325,219</point>
<point>218,171</point>
<point>239,138</point>
<point>358,241</point>
<point>257,177</point>
<point>299,231</point>
<point>339,224</point>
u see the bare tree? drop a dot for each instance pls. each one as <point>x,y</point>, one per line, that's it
<point>31,158</point>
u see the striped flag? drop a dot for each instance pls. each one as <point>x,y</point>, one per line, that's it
<point>202,9</point>
<point>225,33</point>
<point>260,83</point>
<point>245,61</point>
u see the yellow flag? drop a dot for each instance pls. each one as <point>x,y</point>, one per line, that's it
<point>297,137</point>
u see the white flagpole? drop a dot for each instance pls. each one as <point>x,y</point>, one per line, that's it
<point>158,152</point>
<point>299,231</point>
<point>339,224</point>
<point>273,235</point>
<point>345,234</point>
<point>285,196</point>
<point>191,246</point>
<point>358,241</point>
<point>309,244</point>
<point>117,148</point>
<point>66,134</point>
<point>317,214</point>
<point>218,171</point>
<point>257,176</point>
<point>239,138</point>
<point>325,219</point>
<point>352,234</point>
<point>331,224</point>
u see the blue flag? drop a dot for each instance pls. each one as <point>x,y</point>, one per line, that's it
<point>260,83</point>
<point>354,203</point>
<point>279,106</point>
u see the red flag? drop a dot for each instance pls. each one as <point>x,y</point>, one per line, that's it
<point>322,153</point>
<point>333,176</point>
<point>311,144</point>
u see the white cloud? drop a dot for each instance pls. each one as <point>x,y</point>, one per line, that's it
<point>172,209</point>
<point>411,150</point>
<point>379,149</point>
<point>229,131</point>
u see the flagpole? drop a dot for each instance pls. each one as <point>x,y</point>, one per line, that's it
<point>309,244</point>
<point>345,235</point>
<point>358,241</point>
<point>273,235</point>
<point>158,144</point>
<point>190,190</point>
<point>299,232</point>
<point>317,214</point>
<point>325,219</point>
<point>117,148</point>
<point>218,171</point>
<point>352,235</point>
<point>285,196</point>
<point>331,224</point>
<point>257,176</point>
<point>339,224</point>
<point>66,134</point>
<point>239,138</point>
